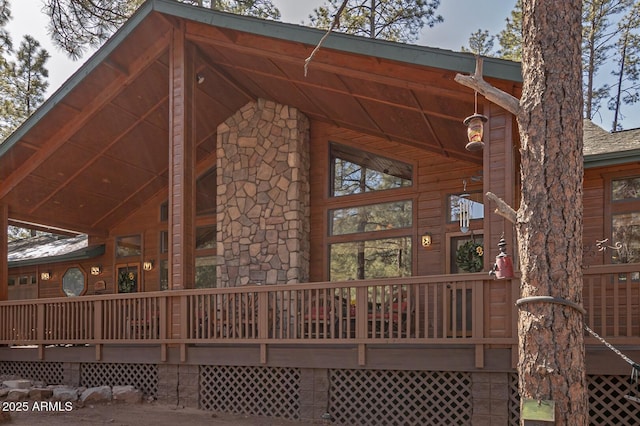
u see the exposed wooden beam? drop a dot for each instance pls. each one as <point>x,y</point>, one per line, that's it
<point>342,70</point>
<point>427,122</point>
<point>223,75</point>
<point>95,158</point>
<point>403,140</point>
<point>63,225</point>
<point>308,83</point>
<point>59,138</point>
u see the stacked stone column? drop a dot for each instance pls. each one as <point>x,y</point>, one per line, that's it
<point>263,196</point>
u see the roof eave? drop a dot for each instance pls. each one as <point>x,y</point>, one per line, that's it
<point>412,54</point>
<point>401,52</point>
<point>611,158</point>
<point>83,254</point>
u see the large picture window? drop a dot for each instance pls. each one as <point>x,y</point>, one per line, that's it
<point>370,226</point>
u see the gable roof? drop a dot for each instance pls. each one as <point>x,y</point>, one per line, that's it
<point>98,148</point>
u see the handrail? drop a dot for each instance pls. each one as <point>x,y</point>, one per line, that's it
<point>426,309</point>
<point>434,309</point>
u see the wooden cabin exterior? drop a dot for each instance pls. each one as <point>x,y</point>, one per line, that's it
<point>213,195</point>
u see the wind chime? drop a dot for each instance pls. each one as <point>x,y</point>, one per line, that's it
<point>475,128</point>
<point>464,207</point>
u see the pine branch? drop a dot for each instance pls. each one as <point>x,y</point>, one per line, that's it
<point>335,23</point>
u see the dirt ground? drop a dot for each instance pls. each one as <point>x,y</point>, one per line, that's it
<point>139,415</point>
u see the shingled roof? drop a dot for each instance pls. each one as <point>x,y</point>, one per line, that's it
<point>50,248</point>
<point>602,148</point>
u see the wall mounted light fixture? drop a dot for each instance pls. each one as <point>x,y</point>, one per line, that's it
<point>147,265</point>
<point>426,240</point>
<point>96,270</point>
<point>45,276</point>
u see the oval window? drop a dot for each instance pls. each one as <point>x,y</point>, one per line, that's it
<point>73,282</point>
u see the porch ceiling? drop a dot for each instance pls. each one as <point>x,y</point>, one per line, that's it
<point>98,149</point>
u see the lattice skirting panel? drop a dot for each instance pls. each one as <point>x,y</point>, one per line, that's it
<point>142,376</point>
<point>607,402</point>
<point>260,391</point>
<point>388,397</point>
<point>51,373</point>
<point>514,400</point>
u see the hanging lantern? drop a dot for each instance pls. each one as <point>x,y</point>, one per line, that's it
<point>464,207</point>
<point>503,268</point>
<point>475,128</point>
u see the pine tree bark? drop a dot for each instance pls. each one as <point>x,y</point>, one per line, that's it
<point>549,221</point>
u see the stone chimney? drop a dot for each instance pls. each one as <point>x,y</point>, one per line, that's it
<point>263,196</point>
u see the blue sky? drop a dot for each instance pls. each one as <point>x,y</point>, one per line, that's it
<point>461,18</point>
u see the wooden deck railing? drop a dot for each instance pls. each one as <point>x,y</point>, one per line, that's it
<point>443,309</point>
<point>612,301</point>
<point>430,309</point>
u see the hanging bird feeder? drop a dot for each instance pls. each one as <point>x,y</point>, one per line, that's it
<point>475,128</point>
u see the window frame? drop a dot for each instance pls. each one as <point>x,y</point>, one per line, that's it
<point>615,207</point>
<point>380,192</point>
<point>85,283</point>
<point>332,203</point>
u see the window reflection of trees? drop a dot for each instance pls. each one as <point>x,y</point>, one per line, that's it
<point>625,219</point>
<point>626,231</point>
<point>384,258</point>
<point>357,172</point>
<point>371,218</point>
<point>376,249</point>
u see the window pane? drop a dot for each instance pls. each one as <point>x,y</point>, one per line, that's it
<point>384,258</point>
<point>626,231</point>
<point>129,246</point>
<point>164,274</point>
<point>356,172</point>
<point>475,203</point>
<point>626,189</point>
<point>206,192</point>
<point>206,237</point>
<point>374,217</point>
<point>206,272</point>
<point>73,282</point>
<point>164,242</point>
<point>164,211</point>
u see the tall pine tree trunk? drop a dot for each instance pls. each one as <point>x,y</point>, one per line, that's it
<point>549,220</point>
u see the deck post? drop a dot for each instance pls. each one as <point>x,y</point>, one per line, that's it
<point>181,174</point>
<point>181,163</point>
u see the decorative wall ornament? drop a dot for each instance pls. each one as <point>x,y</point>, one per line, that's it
<point>469,256</point>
